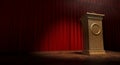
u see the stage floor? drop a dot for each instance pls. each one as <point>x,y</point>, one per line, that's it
<point>77,58</point>
<point>60,58</point>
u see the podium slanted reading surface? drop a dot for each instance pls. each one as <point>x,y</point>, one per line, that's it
<point>93,34</point>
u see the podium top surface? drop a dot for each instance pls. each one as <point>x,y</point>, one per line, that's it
<point>94,14</point>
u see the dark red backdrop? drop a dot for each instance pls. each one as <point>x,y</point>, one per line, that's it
<point>44,25</point>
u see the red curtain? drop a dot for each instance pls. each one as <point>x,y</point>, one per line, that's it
<point>54,25</point>
<point>61,28</point>
<point>64,35</point>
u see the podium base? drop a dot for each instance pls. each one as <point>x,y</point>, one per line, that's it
<point>94,52</point>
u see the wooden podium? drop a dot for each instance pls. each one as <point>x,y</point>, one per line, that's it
<point>93,33</point>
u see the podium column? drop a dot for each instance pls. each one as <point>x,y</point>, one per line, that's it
<point>93,33</point>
